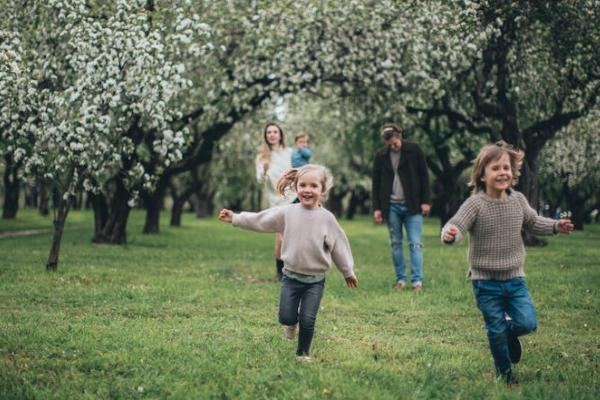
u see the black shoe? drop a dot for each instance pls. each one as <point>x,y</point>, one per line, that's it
<point>508,377</point>
<point>514,349</point>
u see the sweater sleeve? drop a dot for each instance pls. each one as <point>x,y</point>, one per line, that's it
<point>306,153</point>
<point>339,246</point>
<point>463,219</point>
<point>269,220</point>
<point>532,221</point>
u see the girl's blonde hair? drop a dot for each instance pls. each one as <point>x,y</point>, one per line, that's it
<point>265,151</point>
<point>289,179</point>
<point>493,152</point>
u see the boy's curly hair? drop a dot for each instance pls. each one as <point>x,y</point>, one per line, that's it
<point>493,152</point>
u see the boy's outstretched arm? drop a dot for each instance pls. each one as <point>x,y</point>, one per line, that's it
<point>226,215</point>
<point>563,226</point>
<point>450,234</point>
<point>352,282</point>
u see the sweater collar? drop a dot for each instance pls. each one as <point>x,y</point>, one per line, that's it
<point>509,197</point>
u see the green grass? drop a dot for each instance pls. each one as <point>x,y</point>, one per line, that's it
<point>192,313</point>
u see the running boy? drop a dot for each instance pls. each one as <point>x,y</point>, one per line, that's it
<point>494,216</point>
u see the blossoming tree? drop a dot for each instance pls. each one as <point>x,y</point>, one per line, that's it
<point>98,80</point>
<point>570,161</point>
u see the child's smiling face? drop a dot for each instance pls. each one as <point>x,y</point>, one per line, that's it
<point>302,142</point>
<point>498,176</point>
<point>309,188</point>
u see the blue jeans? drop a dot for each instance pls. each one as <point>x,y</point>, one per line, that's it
<point>496,299</point>
<point>299,302</point>
<point>400,215</point>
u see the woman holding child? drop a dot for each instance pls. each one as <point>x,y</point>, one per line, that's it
<point>273,159</point>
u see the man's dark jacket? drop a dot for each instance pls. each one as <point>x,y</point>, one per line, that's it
<point>412,170</point>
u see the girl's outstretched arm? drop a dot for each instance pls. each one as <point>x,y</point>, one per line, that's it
<point>269,220</point>
<point>352,282</point>
<point>226,215</point>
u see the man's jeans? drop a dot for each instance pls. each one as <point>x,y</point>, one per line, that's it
<point>400,215</point>
<point>299,302</point>
<point>496,299</point>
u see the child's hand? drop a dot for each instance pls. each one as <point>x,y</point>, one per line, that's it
<point>450,234</point>
<point>226,215</point>
<point>564,226</point>
<point>352,282</point>
<point>378,217</point>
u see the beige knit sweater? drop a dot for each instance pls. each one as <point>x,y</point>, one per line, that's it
<point>496,249</point>
<point>312,238</point>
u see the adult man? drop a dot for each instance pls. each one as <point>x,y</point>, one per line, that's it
<point>401,197</point>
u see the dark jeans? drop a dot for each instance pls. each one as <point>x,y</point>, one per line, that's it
<point>496,299</point>
<point>299,302</point>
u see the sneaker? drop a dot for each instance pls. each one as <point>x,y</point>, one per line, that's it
<point>509,378</point>
<point>399,285</point>
<point>514,349</point>
<point>304,359</point>
<point>289,331</point>
<point>417,287</point>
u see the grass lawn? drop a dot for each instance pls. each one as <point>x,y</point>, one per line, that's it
<point>192,313</point>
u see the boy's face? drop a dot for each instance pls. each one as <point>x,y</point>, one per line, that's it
<point>497,175</point>
<point>302,142</point>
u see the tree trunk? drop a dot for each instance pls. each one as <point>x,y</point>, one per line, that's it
<point>334,203</point>
<point>100,206</point>
<point>77,201</point>
<point>352,205</point>
<point>204,205</point>
<point>357,200</point>
<point>43,190</point>
<point>180,200</point>
<point>575,200</point>
<point>59,224</point>
<point>450,197</point>
<point>11,189</point>
<point>177,211</point>
<point>31,196</point>
<point>154,204</point>
<point>55,197</point>
<point>577,208</point>
<point>528,185</point>
<point>114,230</point>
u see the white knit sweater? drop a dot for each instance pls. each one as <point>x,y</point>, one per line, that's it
<point>312,238</point>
